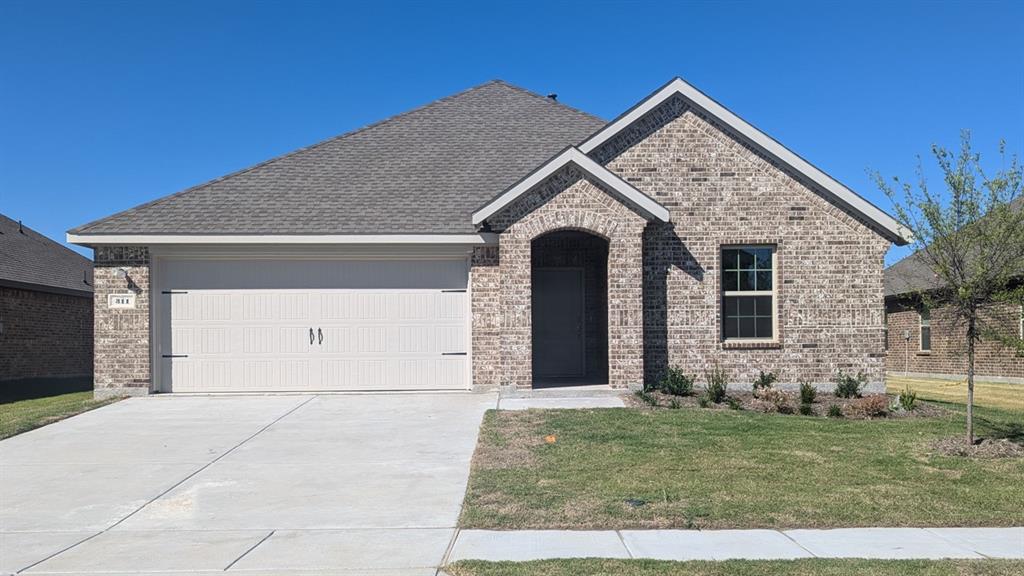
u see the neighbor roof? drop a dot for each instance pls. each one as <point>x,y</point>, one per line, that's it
<point>421,172</point>
<point>32,261</point>
<point>912,274</point>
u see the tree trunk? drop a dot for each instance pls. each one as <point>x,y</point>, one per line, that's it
<point>970,379</point>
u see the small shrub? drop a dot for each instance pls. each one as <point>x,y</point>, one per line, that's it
<point>835,411</point>
<point>764,380</point>
<point>907,399</point>
<point>848,385</point>
<point>807,393</point>
<point>774,400</point>
<point>676,383</point>
<point>703,402</point>
<point>734,403</point>
<point>647,398</point>
<point>806,409</point>
<point>874,406</point>
<point>716,385</point>
<point>674,404</point>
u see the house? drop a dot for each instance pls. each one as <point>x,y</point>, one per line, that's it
<point>45,314</point>
<point>497,237</point>
<point>922,342</point>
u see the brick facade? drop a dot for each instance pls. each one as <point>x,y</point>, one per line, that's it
<point>948,355</point>
<point>664,292</point>
<point>44,335</point>
<point>122,361</point>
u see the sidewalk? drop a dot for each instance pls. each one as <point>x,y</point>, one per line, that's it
<point>875,543</point>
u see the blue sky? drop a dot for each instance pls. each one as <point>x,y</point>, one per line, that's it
<point>106,105</point>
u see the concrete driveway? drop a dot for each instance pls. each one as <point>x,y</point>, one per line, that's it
<point>250,484</point>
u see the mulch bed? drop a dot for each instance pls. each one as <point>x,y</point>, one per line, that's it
<point>985,448</point>
<point>852,408</point>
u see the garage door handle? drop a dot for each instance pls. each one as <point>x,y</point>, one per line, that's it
<point>320,336</point>
<point>311,337</point>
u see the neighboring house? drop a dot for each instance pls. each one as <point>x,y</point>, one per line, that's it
<point>924,342</point>
<point>45,313</point>
<point>497,237</point>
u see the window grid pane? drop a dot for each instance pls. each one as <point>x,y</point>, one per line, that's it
<point>747,269</point>
<point>747,316</point>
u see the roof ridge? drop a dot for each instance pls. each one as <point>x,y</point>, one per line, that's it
<point>529,92</point>
<point>82,228</point>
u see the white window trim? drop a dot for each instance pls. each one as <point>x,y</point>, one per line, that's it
<point>774,293</point>
<point>920,330</point>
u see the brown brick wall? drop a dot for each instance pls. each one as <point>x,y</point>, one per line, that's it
<point>720,192</point>
<point>948,354</point>
<point>485,287</point>
<point>44,335</point>
<point>122,362</point>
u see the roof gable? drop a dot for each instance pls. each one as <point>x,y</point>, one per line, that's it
<point>881,222</point>
<point>624,191</point>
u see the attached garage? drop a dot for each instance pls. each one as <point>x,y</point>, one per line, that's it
<point>278,324</point>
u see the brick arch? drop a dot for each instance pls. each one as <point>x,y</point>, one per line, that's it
<point>602,232</point>
<point>585,207</point>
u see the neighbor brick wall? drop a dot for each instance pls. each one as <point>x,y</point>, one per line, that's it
<point>566,201</point>
<point>44,335</point>
<point>719,191</point>
<point>948,355</point>
<point>122,362</point>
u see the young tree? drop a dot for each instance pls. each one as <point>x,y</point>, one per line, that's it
<point>970,235</point>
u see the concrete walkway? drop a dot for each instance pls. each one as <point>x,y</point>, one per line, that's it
<point>877,543</point>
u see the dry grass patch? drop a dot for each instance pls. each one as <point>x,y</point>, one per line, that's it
<point>990,394</point>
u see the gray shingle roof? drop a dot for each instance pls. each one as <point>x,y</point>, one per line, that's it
<point>421,172</point>
<point>911,274</point>
<point>28,257</point>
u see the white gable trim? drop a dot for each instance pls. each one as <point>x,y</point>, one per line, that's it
<point>572,155</point>
<point>887,224</point>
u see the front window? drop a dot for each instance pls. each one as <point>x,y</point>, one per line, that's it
<point>748,293</point>
<point>926,329</point>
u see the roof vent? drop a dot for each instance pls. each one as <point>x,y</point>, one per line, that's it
<point>553,97</point>
<point>20,228</point>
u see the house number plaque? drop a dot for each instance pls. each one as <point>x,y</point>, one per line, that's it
<point>121,300</point>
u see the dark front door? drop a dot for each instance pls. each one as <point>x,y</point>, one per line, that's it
<point>558,323</point>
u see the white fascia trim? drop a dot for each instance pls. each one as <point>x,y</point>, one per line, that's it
<point>151,239</point>
<point>758,138</point>
<point>574,156</point>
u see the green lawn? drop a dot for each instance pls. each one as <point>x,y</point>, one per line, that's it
<point>593,567</point>
<point>693,468</point>
<point>23,415</point>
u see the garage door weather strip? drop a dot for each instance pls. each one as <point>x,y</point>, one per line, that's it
<point>179,483</point>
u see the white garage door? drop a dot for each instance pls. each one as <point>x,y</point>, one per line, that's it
<point>305,325</point>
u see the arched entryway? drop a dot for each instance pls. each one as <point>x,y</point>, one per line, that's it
<point>569,309</point>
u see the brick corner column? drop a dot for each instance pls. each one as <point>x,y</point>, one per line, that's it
<point>121,359</point>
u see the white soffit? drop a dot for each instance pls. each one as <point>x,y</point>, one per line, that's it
<point>154,239</point>
<point>766,143</point>
<point>573,155</point>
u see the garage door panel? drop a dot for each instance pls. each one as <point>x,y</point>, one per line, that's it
<point>247,337</point>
